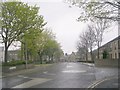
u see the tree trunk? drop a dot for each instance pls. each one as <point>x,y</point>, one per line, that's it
<point>40,59</point>
<point>6,53</point>
<point>49,58</point>
<point>25,51</point>
<point>52,58</point>
<point>86,55</point>
<point>22,51</point>
<point>26,63</point>
<point>98,51</point>
<point>91,54</point>
<point>25,55</point>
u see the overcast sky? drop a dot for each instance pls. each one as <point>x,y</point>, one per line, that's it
<point>62,20</point>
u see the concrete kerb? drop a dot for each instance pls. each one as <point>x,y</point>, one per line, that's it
<point>26,71</point>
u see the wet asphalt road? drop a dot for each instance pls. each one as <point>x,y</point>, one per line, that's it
<point>60,75</point>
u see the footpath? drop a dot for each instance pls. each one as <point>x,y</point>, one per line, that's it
<point>106,77</point>
<point>36,68</point>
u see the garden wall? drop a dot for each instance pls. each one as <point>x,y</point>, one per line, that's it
<point>107,62</point>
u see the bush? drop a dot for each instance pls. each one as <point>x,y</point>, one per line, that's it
<point>86,61</point>
<point>16,62</point>
<point>30,61</point>
<point>105,54</point>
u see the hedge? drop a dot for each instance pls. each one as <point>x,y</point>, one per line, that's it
<point>86,61</point>
<point>16,62</point>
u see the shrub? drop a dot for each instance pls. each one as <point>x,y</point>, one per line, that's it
<point>86,61</point>
<point>14,63</point>
<point>105,54</point>
<point>30,61</point>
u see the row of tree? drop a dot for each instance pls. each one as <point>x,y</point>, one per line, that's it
<point>92,37</point>
<point>39,46</point>
<point>22,23</point>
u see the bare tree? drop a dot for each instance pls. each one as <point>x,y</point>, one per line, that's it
<point>81,50</point>
<point>93,36</point>
<point>99,26</point>
<point>91,39</point>
<point>83,44</point>
<point>103,9</point>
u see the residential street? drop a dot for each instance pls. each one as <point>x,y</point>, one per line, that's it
<point>60,44</point>
<point>65,75</point>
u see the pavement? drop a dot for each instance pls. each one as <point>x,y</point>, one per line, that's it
<point>63,75</point>
<point>36,68</point>
<point>106,77</point>
<point>103,72</point>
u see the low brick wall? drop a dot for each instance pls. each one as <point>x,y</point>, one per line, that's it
<point>7,69</point>
<point>107,62</point>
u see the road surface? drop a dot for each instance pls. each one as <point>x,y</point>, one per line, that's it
<point>62,75</point>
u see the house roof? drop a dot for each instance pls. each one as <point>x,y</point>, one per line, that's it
<point>117,38</point>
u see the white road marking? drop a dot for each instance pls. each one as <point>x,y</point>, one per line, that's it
<point>99,82</point>
<point>94,85</point>
<point>22,76</point>
<point>31,83</point>
<point>89,64</point>
<point>69,66</point>
<point>73,71</point>
<point>49,73</point>
<point>25,77</point>
<point>45,72</point>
